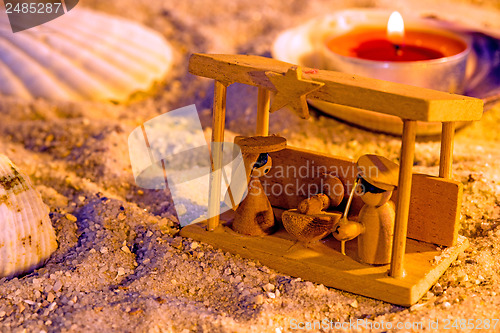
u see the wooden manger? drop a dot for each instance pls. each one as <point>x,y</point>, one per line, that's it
<point>427,207</point>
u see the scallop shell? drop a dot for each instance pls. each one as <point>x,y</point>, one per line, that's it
<point>82,55</point>
<point>309,228</point>
<point>27,238</point>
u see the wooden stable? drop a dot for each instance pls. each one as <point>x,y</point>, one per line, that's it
<point>427,207</point>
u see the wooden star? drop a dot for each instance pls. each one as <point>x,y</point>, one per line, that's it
<point>291,91</point>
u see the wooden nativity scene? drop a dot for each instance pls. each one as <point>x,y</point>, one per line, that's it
<point>371,226</point>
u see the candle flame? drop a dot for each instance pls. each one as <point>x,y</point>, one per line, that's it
<point>395,28</point>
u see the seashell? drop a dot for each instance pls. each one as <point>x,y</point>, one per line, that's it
<point>82,55</point>
<point>309,228</point>
<point>27,238</point>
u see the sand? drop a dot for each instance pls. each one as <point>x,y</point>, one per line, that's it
<point>121,267</point>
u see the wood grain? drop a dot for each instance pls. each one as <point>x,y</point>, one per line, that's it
<point>403,202</point>
<point>404,101</point>
<point>435,202</point>
<point>263,105</point>
<point>218,125</point>
<point>322,262</point>
<point>446,156</point>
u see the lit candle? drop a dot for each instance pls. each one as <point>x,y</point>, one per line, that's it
<point>396,29</point>
<point>416,55</point>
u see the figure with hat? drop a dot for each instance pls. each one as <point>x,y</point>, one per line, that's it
<point>254,215</point>
<point>377,179</point>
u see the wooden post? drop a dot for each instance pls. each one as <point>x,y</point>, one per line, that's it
<point>403,205</point>
<point>263,105</point>
<point>446,158</point>
<point>218,124</point>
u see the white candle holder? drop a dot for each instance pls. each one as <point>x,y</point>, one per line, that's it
<point>445,74</point>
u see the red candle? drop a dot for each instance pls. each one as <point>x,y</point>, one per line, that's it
<point>383,50</point>
<point>395,43</point>
<point>419,55</point>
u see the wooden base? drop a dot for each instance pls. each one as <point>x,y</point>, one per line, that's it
<point>322,262</point>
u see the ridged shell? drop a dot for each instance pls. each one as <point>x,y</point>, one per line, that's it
<point>82,55</point>
<point>309,228</point>
<point>27,238</point>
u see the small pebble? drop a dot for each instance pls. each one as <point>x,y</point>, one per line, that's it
<point>121,271</point>
<point>416,307</point>
<point>462,277</point>
<point>52,306</point>
<point>437,289</point>
<point>268,287</point>
<point>259,299</point>
<point>51,297</point>
<point>177,242</point>
<point>71,217</point>
<point>265,269</point>
<point>245,293</point>
<point>57,286</point>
